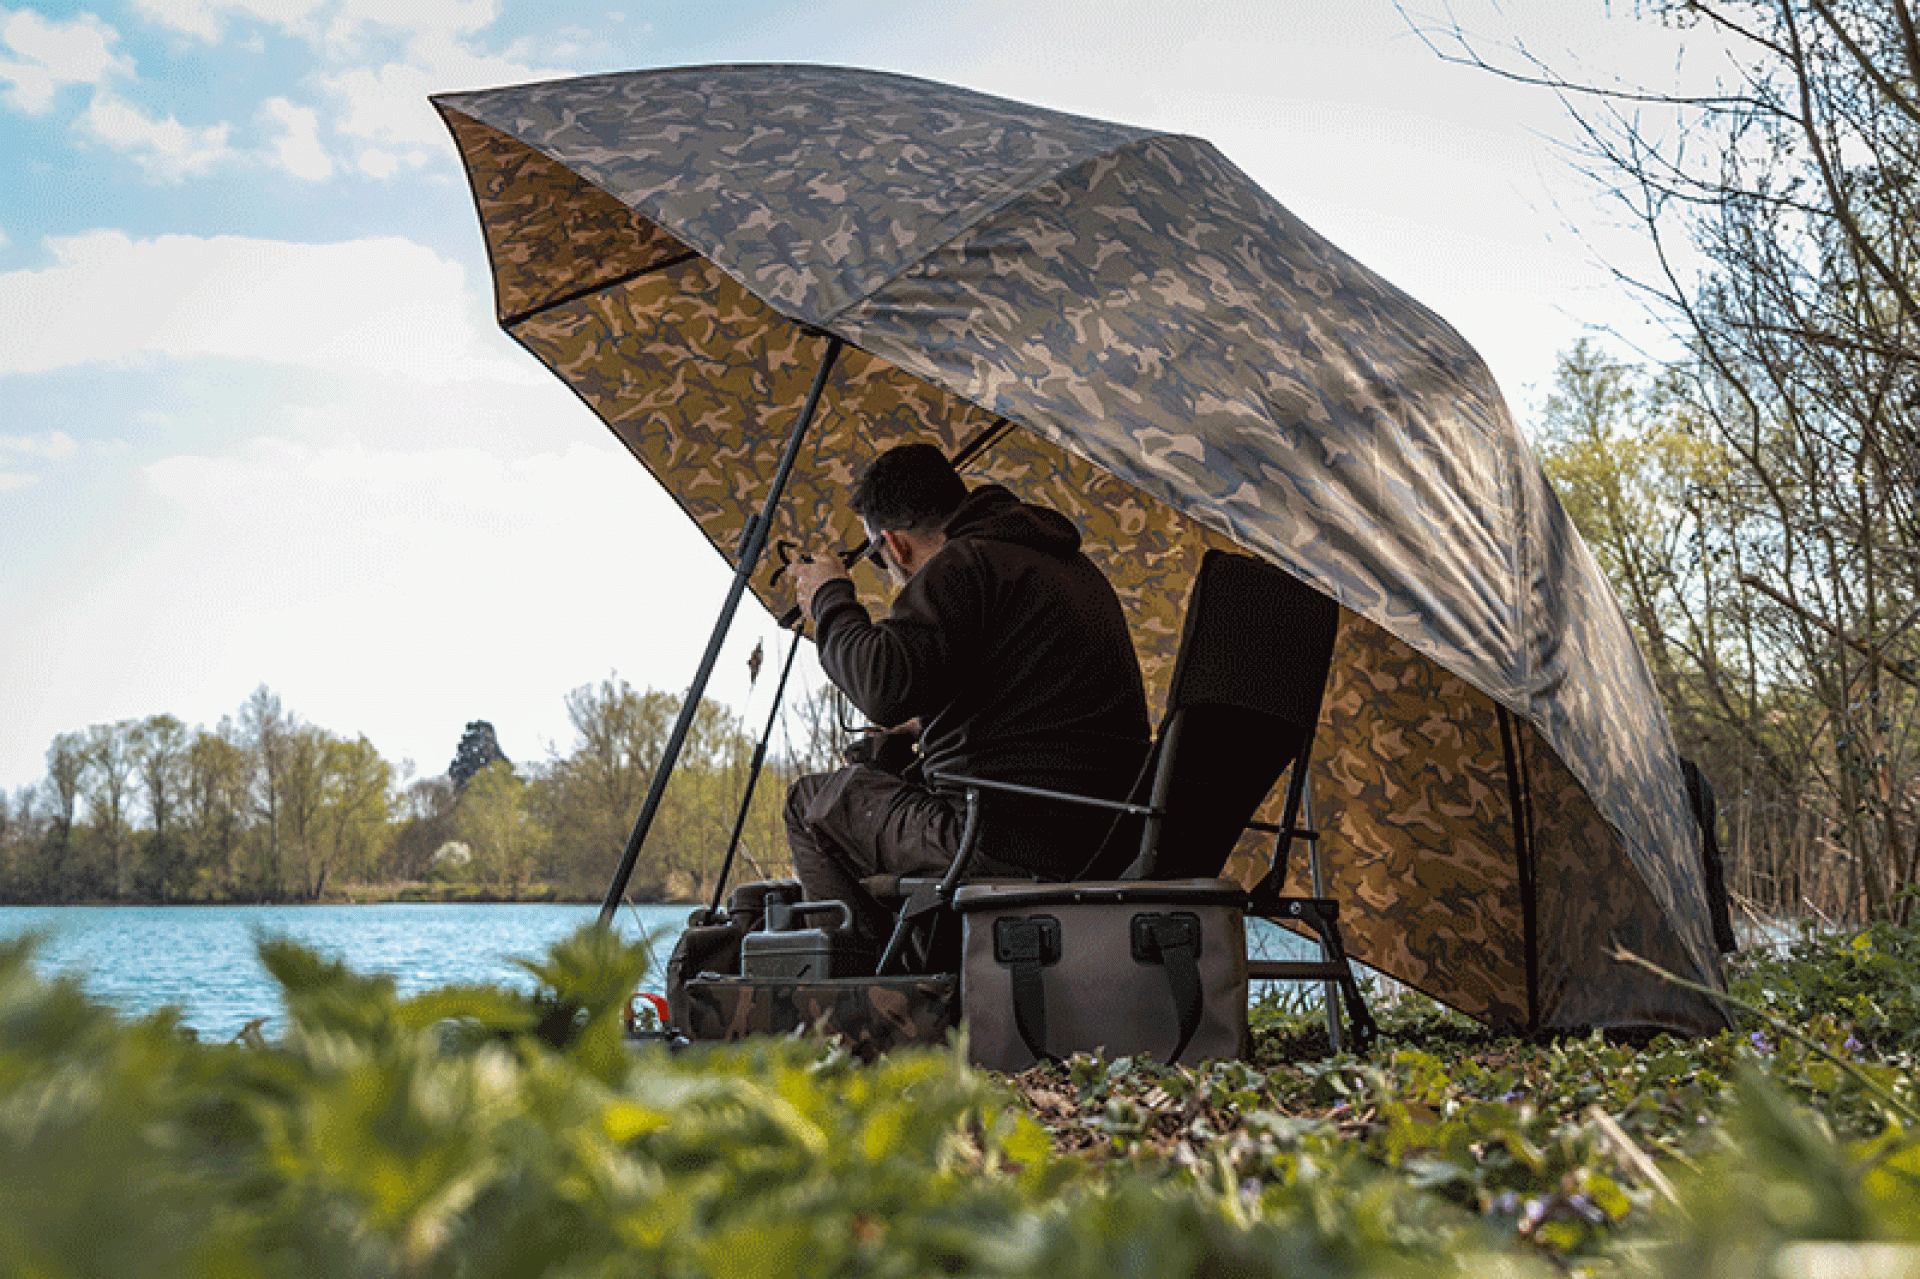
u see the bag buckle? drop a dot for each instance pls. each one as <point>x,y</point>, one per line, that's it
<point>1026,939</point>
<point>1154,935</point>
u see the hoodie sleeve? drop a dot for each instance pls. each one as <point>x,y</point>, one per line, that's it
<point>915,661</point>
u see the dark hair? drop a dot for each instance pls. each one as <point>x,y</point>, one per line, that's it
<point>912,486</point>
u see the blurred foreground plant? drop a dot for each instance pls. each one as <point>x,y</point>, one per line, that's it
<point>480,1132</point>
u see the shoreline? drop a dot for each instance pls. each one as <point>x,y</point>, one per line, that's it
<point>373,895</point>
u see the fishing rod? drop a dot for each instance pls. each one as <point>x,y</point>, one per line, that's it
<point>753,778</point>
<point>752,544</point>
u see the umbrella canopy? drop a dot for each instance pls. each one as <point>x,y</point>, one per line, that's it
<point>1184,365</point>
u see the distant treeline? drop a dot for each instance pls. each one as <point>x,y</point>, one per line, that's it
<point>266,807</point>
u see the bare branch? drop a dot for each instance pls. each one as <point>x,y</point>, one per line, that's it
<point>1900,101</point>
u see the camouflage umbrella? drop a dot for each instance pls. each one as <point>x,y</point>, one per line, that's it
<point>1185,365</point>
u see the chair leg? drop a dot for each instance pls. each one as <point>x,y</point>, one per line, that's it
<point>926,901</point>
<point>1359,1016</point>
<point>1322,915</point>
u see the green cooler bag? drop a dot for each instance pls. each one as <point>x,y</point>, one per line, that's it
<point>1117,968</point>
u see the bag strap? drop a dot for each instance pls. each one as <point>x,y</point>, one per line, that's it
<point>1025,945</point>
<point>1173,942</point>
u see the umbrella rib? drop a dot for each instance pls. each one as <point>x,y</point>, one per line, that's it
<point>521,317</point>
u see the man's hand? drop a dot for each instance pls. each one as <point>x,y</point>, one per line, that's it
<point>810,572</point>
<point>891,750</point>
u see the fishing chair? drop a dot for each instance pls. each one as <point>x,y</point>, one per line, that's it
<point>1241,709</point>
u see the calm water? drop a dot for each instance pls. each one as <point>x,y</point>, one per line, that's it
<point>201,958</point>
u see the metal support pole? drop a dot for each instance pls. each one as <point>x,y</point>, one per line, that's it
<point>754,545</point>
<point>1331,989</point>
<point>753,778</point>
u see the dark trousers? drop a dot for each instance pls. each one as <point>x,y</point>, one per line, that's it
<point>859,821</point>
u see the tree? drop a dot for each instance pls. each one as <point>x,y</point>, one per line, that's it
<point>12,843</point>
<point>218,797</point>
<point>1639,478</point>
<point>589,798</point>
<point>25,836</point>
<point>689,837</point>
<point>495,823</point>
<point>426,823</point>
<point>66,763</point>
<point>265,731</point>
<point>356,809</point>
<point>160,761</point>
<point>300,804</point>
<point>478,748</point>
<point>1785,214</point>
<point>109,785</point>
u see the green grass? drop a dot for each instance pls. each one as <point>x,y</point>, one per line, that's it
<point>483,1132</point>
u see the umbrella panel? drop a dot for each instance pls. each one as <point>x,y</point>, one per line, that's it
<point>550,236</point>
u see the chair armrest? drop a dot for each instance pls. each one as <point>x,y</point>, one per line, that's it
<point>1037,792</point>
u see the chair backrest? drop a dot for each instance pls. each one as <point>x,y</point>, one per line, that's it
<point>1242,707</point>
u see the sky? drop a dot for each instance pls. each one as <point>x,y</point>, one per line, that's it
<point>258,426</point>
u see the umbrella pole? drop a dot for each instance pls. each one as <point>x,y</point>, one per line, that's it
<point>753,545</point>
<point>753,778</point>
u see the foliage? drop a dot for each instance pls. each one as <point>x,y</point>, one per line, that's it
<point>474,1131</point>
<point>494,819</point>
<point>266,807</point>
<point>1867,979</point>
<point>478,749</point>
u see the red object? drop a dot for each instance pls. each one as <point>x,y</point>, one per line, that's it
<point>659,1002</point>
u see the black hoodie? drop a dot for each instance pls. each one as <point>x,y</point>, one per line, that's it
<point>1010,648</point>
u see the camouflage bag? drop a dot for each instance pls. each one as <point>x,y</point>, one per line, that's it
<point>873,1015</point>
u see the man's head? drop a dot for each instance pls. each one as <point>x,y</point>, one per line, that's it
<point>911,487</point>
<point>905,499</point>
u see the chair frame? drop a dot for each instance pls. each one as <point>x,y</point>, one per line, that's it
<point>1321,914</point>
<point>1318,913</point>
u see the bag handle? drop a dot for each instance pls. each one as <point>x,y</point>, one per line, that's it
<point>1027,944</point>
<point>1173,942</point>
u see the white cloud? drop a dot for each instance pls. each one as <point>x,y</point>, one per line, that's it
<point>25,458</point>
<point>299,149</point>
<point>206,19</point>
<point>47,446</point>
<point>165,148</point>
<point>386,108</point>
<point>420,17</point>
<point>193,17</point>
<point>39,56</point>
<point>339,27</point>
<point>376,163</point>
<point>384,306</point>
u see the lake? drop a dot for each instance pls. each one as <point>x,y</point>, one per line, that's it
<point>202,958</point>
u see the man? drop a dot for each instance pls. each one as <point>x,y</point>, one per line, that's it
<point>1006,649</point>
